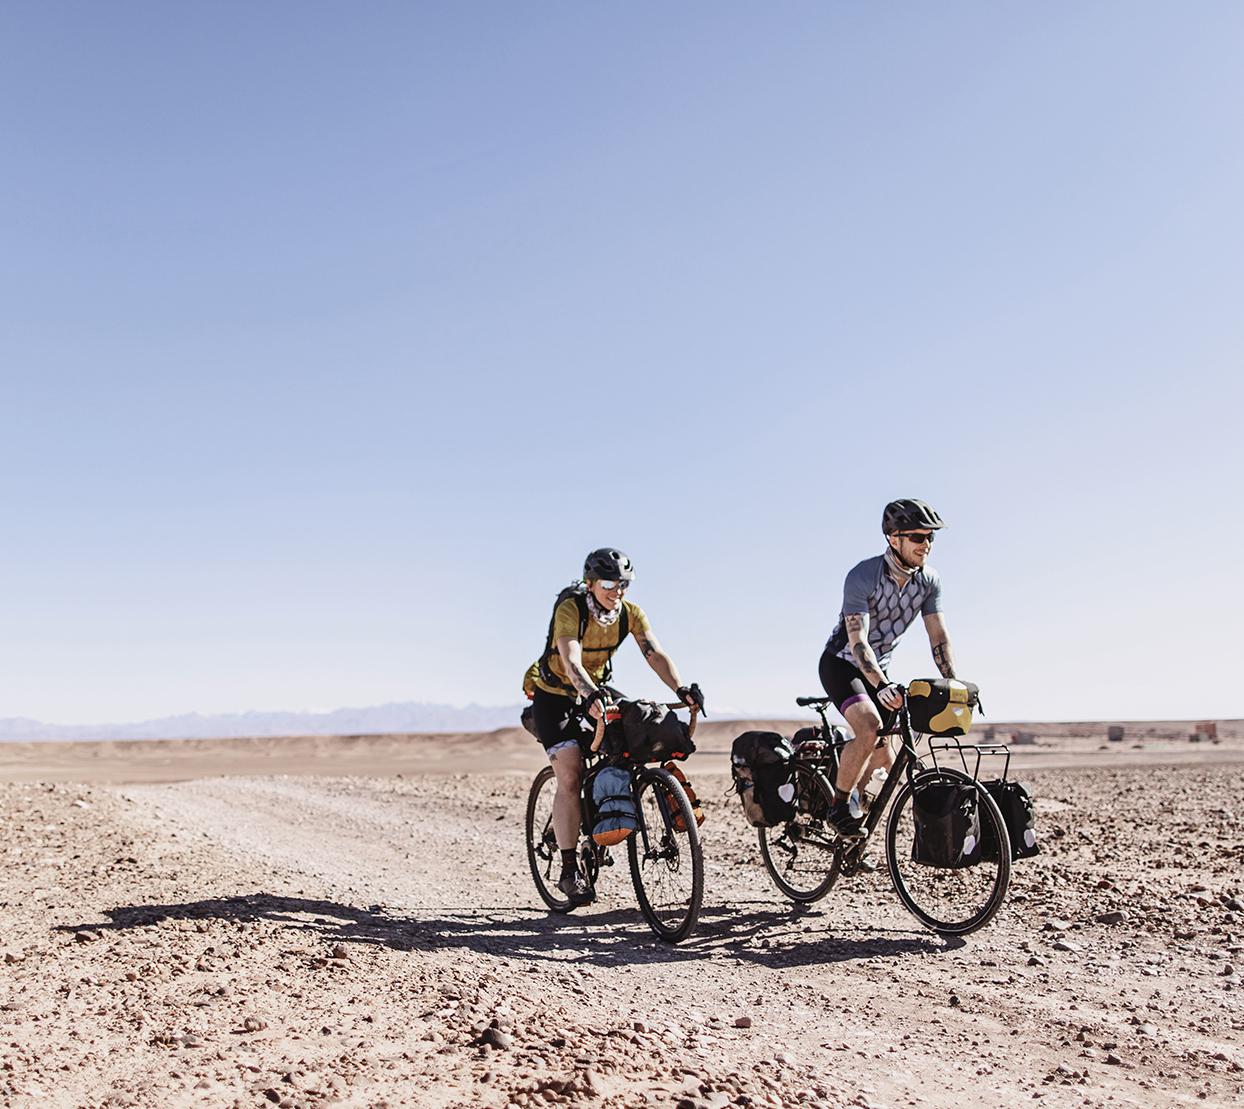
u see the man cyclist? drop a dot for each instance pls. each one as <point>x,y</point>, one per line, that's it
<point>881,599</point>
<point>567,685</point>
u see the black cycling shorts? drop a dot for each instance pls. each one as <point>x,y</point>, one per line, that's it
<point>846,685</point>
<point>559,719</point>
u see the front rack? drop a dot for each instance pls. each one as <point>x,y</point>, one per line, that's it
<point>963,750</point>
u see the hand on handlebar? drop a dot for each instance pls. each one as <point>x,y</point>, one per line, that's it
<point>691,696</point>
<point>596,704</point>
<point>891,696</point>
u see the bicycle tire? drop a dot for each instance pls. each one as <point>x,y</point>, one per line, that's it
<point>674,860</point>
<point>542,853</point>
<point>809,834</point>
<point>981,888</point>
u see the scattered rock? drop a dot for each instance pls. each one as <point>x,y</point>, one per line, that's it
<point>502,1041</point>
<point>742,1022</point>
<point>1115,916</point>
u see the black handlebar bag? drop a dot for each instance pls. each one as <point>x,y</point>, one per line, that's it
<point>948,826</point>
<point>648,732</point>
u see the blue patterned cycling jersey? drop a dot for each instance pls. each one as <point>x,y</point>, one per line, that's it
<point>869,588</point>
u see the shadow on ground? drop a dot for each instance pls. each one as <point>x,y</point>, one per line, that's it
<point>747,932</point>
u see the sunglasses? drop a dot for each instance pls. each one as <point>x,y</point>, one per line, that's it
<point>610,586</point>
<point>917,536</point>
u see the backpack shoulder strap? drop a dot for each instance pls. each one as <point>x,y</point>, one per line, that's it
<point>546,671</point>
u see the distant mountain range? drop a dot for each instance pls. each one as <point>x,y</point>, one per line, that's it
<point>405,716</point>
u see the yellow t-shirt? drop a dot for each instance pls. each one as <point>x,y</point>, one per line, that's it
<point>599,644</point>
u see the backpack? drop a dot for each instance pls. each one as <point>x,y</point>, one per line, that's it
<point>948,826</point>
<point>680,825</point>
<point>648,732</point>
<point>1015,803</point>
<point>763,768</point>
<point>615,806</point>
<point>578,591</point>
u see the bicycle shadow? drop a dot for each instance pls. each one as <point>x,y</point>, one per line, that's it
<point>757,932</point>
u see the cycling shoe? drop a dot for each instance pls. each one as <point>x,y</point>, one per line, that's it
<point>844,821</point>
<point>577,889</point>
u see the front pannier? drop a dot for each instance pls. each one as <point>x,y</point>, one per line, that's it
<point>649,732</point>
<point>1015,804</point>
<point>948,827</point>
<point>763,767</point>
<point>941,706</point>
<point>697,812</point>
<point>615,806</point>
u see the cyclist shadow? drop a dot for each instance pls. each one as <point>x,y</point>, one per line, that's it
<point>801,935</point>
<point>602,937</point>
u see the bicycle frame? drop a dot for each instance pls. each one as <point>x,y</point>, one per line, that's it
<point>904,760</point>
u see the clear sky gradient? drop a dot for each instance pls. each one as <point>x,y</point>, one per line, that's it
<point>333,336</point>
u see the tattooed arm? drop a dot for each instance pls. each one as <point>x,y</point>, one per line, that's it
<point>939,640</point>
<point>865,658</point>
<point>662,665</point>
<point>571,651</point>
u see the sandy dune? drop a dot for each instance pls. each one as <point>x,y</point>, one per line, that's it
<point>290,922</point>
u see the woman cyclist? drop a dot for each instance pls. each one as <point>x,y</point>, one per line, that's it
<point>568,687</point>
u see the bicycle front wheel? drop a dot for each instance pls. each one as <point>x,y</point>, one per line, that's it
<point>952,902</point>
<point>542,854</point>
<point>667,864</point>
<point>804,855</point>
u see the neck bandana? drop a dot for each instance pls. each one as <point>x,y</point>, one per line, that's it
<point>606,618</point>
<point>896,567</point>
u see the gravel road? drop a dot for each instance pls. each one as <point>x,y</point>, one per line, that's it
<point>303,941</point>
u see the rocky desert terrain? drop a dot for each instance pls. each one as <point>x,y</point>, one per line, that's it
<point>352,922</point>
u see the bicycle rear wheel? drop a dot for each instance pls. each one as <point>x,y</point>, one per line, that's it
<point>542,854</point>
<point>667,865</point>
<point>952,902</point>
<point>804,855</point>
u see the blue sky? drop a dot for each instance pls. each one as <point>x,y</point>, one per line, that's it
<point>332,337</point>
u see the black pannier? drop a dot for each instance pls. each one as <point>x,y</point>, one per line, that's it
<point>1015,803</point>
<point>948,826</point>
<point>763,768</point>
<point>648,732</point>
<point>941,706</point>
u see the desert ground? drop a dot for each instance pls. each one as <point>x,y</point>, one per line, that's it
<point>350,921</point>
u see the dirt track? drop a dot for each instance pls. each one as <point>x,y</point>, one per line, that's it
<point>306,941</point>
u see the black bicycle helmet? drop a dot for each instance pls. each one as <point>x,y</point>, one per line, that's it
<point>909,515</point>
<point>608,563</point>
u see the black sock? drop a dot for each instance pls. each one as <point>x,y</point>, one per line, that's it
<point>570,862</point>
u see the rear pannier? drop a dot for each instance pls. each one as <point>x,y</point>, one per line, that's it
<point>615,806</point>
<point>948,826</point>
<point>1015,804</point>
<point>941,706</point>
<point>763,767</point>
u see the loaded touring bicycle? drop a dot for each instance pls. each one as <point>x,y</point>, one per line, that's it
<point>948,844</point>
